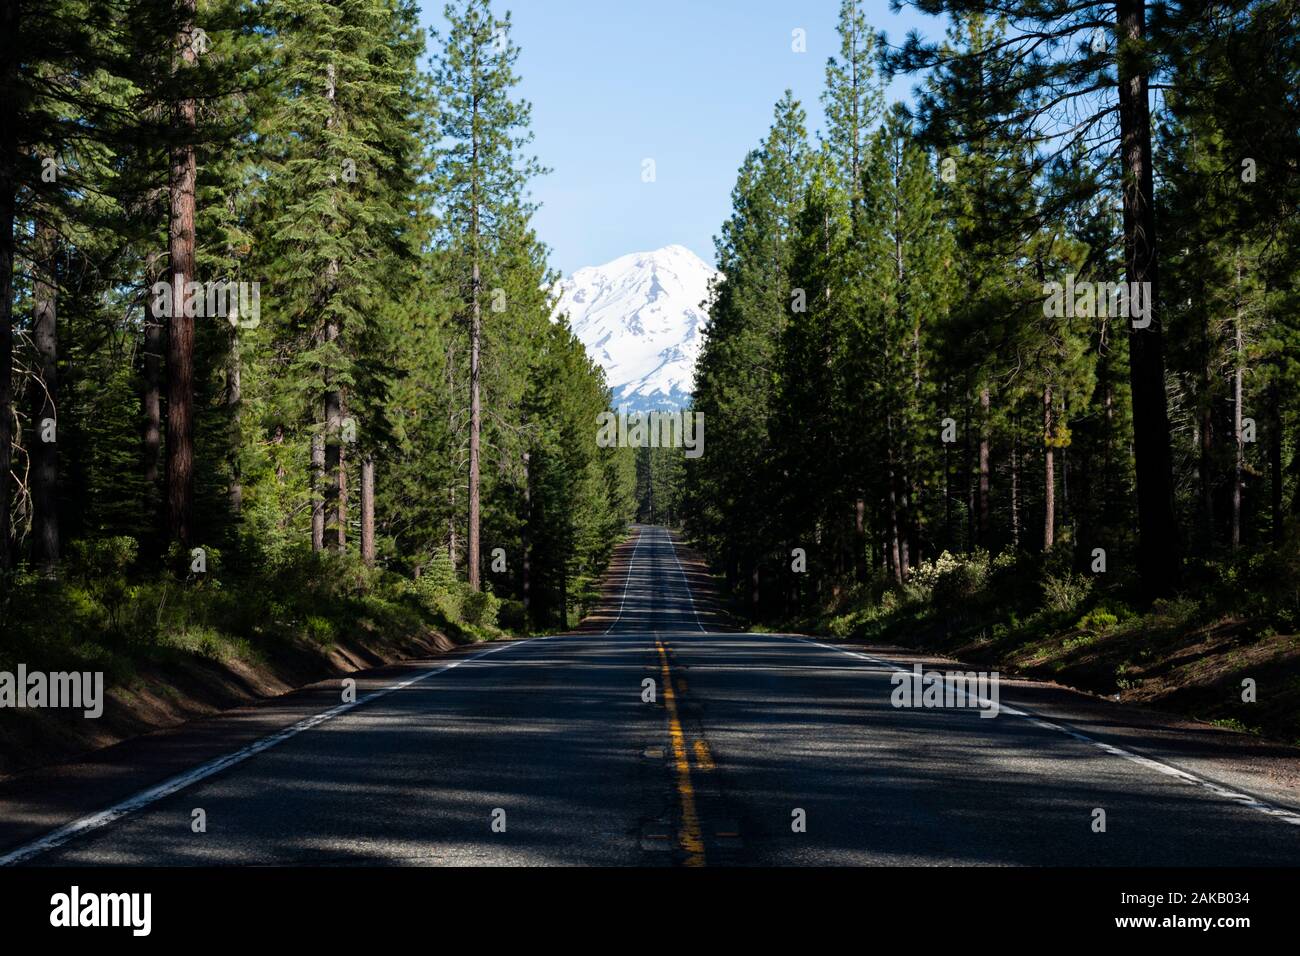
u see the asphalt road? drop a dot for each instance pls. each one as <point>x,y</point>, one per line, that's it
<point>756,749</point>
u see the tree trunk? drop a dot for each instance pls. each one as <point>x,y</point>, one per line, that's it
<point>180,332</point>
<point>475,424</point>
<point>155,345</point>
<point>234,400</point>
<point>947,473</point>
<point>44,401</point>
<point>180,351</point>
<point>9,58</point>
<point>343,473</point>
<point>1158,546</point>
<point>525,542</point>
<point>234,395</point>
<point>1206,443</point>
<point>1239,463</point>
<point>1063,512</point>
<point>333,455</point>
<point>368,511</point>
<point>475,334</point>
<point>564,595</point>
<point>984,468</point>
<point>317,483</point>
<point>897,548</point>
<point>861,560</point>
<point>906,528</point>
<point>1108,458</point>
<point>1275,458</point>
<point>1015,485</point>
<point>333,462</point>
<point>343,497</point>
<point>1205,430</point>
<point>1049,473</point>
<point>1087,482</point>
<point>453,550</point>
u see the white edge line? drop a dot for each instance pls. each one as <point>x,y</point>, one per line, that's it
<point>680,570</point>
<point>57,838</point>
<point>626,581</point>
<point>1150,763</point>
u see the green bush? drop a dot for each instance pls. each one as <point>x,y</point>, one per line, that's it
<point>320,629</point>
<point>480,608</point>
<point>841,626</point>
<point>1098,620</point>
<point>1063,593</point>
<point>511,616</point>
<point>950,581</point>
<point>439,590</point>
<point>957,587</point>
<point>94,558</point>
<point>101,564</point>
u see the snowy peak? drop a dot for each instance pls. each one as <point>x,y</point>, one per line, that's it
<point>641,318</point>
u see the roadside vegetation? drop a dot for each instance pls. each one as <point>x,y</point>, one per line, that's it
<point>1027,616</point>
<point>172,648</point>
<point>953,403</point>
<point>279,379</point>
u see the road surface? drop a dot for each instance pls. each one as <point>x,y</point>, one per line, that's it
<point>755,750</point>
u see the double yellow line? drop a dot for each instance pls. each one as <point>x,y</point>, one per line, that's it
<point>689,837</point>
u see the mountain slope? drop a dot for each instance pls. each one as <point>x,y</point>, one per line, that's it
<point>641,319</point>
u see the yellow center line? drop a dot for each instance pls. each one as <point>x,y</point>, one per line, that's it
<point>689,837</point>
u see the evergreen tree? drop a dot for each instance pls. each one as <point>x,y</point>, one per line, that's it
<point>737,373</point>
<point>1069,59</point>
<point>482,173</point>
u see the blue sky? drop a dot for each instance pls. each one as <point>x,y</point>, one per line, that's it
<point>687,83</point>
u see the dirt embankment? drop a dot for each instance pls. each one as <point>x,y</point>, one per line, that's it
<point>162,694</point>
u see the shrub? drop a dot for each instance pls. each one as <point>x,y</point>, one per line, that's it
<point>101,564</point>
<point>1175,611</point>
<point>841,626</point>
<point>512,617</point>
<point>479,608</point>
<point>958,586</point>
<point>102,557</point>
<point>439,590</point>
<point>950,581</point>
<point>926,573</point>
<point>320,630</point>
<point>1098,619</point>
<point>1065,592</point>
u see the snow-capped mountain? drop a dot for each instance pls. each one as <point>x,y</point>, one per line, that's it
<point>641,319</point>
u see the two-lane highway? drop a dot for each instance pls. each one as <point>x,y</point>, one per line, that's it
<point>652,737</point>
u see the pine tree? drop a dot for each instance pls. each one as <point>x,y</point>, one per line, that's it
<point>342,143</point>
<point>907,293</point>
<point>990,198</point>
<point>482,173</point>
<point>737,375</point>
<point>1067,58</point>
<point>852,100</point>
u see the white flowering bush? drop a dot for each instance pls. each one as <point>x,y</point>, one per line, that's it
<point>951,580</point>
<point>926,574</point>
